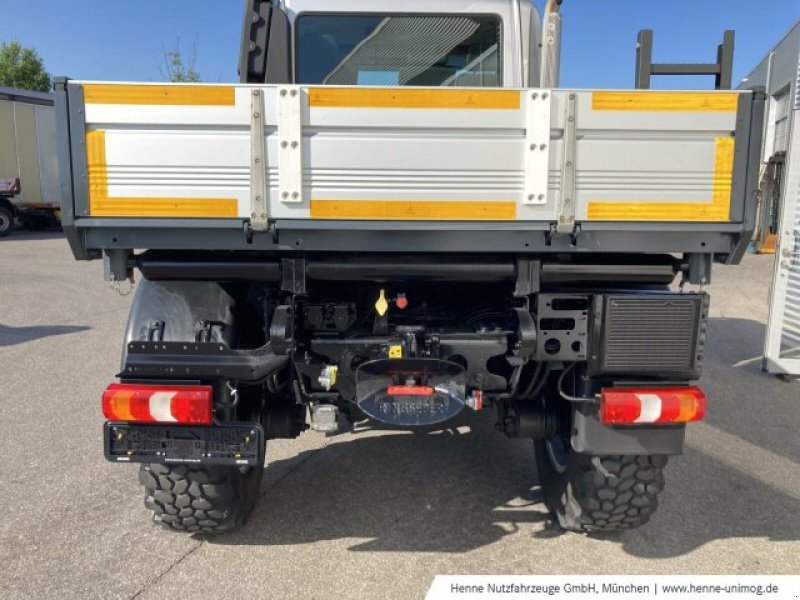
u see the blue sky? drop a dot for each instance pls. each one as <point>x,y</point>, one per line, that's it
<point>110,39</point>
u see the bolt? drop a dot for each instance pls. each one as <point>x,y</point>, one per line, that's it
<point>534,96</point>
<point>531,196</point>
<point>533,146</point>
<point>295,195</point>
<point>541,197</point>
<point>283,92</point>
<point>569,163</point>
<point>543,147</point>
<point>257,115</point>
<point>256,92</point>
<point>258,160</point>
<point>545,96</point>
<point>285,195</point>
<point>263,215</point>
<point>572,96</point>
<point>294,144</point>
<point>293,93</point>
<point>284,144</point>
<point>571,119</point>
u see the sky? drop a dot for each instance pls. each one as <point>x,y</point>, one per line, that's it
<point>114,40</point>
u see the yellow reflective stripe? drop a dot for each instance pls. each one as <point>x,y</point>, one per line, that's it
<point>666,101</point>
<point>717,209</point>
<point>332,97</point>
<point>413,210</point>
<point>196,208</point>
<point>162,95</point>
<point>96,168</point>
<point>101,205</point>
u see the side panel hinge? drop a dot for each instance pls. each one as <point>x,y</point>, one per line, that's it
<point>566,208</point>
<point>258,169</point>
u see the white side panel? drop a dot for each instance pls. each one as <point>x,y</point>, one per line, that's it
<point>378,146</point>
<point>783,330</point>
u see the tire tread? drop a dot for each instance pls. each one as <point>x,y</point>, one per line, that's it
<point>199,499</point>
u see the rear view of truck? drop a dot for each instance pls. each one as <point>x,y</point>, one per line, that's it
<point>392,219</point>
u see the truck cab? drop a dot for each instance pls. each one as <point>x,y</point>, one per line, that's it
<point>453,43</point>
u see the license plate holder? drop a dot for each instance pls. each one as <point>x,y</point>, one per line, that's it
<point>232,444</point>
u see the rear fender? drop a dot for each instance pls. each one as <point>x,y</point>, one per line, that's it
<point>180,311</point>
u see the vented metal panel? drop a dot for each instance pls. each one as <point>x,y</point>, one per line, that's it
<point>657,335</point>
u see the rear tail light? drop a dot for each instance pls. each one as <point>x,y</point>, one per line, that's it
<point>139,403</point>
<point>634,406</point>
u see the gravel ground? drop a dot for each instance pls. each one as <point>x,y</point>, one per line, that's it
<point>369,513</point>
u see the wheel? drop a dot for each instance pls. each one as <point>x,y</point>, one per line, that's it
<point>6,221</point>
<point>199,499</point>
<point>597,493</point>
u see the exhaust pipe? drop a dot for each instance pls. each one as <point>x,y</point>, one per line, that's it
<point>551,45</point>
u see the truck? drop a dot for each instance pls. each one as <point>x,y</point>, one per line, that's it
<point>28,168</point>
<point>399,216</point>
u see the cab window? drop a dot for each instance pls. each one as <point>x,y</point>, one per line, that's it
<point>387,50</point>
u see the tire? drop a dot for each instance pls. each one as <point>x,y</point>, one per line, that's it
<point>196,499</point>
<point>598,493</point>
<point>6,221</point>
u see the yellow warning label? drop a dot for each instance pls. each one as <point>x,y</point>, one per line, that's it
<point>396,351</point>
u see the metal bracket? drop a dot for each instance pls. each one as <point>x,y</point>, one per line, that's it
<point>290,144</point>
<point>258,165</point>
<point>293,275</point>
<point>699,270</point>
<point>526,334</point>
<point>537,144</point>
<point>566,209</point>
<point>527,282</point>
<point>116,267</point>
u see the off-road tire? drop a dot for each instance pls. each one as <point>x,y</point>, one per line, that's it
<point>195,499</point>
<point>6,221</point>
<point>600,493</point>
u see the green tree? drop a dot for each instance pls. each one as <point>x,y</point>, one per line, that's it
<point>22,67</point>
<point>176,68</point>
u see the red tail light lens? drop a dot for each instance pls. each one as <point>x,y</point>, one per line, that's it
<point>139,403</point>
<point>642,406</point>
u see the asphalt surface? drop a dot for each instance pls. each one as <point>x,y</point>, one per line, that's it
<point>366,514</point>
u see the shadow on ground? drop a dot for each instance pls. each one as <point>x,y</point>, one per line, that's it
<point>22,234</point>
<point>743,399</point>
<point>455,492</point>
<point>10,336</point>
